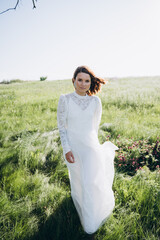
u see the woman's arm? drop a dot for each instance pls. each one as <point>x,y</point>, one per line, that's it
<point>61,120</point>
<point>98,113</point>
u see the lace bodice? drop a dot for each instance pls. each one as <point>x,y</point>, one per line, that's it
<point>82,103</point>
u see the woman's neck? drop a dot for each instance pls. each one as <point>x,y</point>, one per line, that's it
<point>81,94</point>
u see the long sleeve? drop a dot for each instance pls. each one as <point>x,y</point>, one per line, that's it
<point>98,113</point>
<point>61,120</point>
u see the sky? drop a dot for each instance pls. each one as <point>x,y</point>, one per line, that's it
<point>115,38</point>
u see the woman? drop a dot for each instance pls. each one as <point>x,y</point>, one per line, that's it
<point>90,164</point>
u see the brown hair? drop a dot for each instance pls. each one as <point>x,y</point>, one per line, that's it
<point>95,81</point>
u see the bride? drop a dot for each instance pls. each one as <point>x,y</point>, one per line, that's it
<point>90,164</point>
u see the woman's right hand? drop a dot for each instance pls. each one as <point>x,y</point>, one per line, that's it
<point>69,156</point>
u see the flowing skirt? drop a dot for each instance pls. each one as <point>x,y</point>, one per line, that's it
<point>91,178</point>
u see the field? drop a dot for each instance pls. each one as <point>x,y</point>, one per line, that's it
<point>35,200</point>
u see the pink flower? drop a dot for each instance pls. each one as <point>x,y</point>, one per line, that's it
<point>119,165</point>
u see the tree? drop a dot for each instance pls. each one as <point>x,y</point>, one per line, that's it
<point>17,3</point>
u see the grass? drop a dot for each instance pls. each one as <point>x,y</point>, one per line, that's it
<point>35,200</point>
<point>132,106</point>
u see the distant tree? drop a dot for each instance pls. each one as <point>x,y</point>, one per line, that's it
<point>43,78</point>
<point>18,1</point>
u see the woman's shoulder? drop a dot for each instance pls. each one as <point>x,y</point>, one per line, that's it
<point>65,97</point>
<point>61,97</point>
<point>96,98</point>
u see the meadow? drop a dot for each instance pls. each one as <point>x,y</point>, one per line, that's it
<point>35,202</point>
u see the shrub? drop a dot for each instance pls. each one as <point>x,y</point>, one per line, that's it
<point>43,78</point>
<point>11,81</point>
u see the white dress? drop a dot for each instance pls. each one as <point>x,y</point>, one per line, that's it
<point>91,176</point>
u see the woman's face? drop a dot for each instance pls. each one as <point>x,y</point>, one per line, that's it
<point>82,83</point>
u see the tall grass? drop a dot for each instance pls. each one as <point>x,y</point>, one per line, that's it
<point>35,200</point>
<point>133,107</point>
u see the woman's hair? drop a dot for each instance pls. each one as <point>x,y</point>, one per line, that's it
<point>95,81</point>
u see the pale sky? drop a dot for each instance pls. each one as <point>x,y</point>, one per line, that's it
<point>115,38</point>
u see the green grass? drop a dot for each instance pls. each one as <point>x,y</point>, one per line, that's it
<point>35,200</point>
<point>133,107</point>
